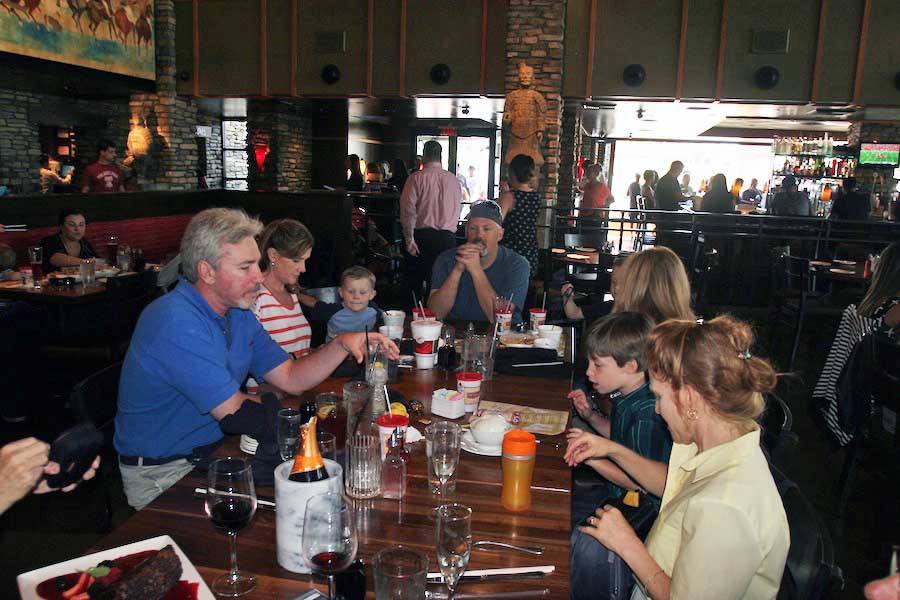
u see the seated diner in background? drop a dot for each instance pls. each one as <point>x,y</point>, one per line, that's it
<point>285,246</point>
<point>180,388</point>
<point>790,201</point>
<point>103,176</point>
<point>718,198</point>
<point>466,280</point>
<point>722,531</point>
<point>593,310</point>
<point>878,312</point>
<point>68,247</point>
<point>49,176</point>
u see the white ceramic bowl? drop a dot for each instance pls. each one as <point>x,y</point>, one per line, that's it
<point>489,430</point>
<point>550,332</point>
<point>546,343</point>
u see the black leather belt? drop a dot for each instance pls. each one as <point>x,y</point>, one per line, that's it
<point>199,453</point>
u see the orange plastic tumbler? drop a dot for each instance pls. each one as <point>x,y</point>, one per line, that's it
<point>519,448</point>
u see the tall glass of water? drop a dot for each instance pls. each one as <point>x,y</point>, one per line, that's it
<point>445,452</point>
<point>454,543</point>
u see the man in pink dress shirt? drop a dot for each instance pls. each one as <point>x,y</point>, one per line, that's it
<point>429,214</point>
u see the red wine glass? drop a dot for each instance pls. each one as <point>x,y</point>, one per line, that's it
<point>231,504</point>
<point>329,538</point>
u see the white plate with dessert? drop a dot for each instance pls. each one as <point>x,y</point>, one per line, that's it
<point>48,582</point>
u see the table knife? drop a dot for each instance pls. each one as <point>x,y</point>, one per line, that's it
<point>263,502</point>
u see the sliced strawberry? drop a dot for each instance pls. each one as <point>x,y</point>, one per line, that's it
<point>84,596</point>
<point>78,588</point>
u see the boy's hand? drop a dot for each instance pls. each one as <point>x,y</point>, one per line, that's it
<point>581,404</point>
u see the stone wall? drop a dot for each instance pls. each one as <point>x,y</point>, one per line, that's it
<point>285,128</point>
<point>534,35</point>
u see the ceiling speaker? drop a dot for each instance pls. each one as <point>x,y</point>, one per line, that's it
<point>634,75</point>
<point>766,77</point>
<point>331,74</point>
<point>440,74</point>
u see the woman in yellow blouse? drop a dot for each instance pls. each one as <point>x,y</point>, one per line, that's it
<point>721,531</point>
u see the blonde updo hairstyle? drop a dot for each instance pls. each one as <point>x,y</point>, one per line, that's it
<point>654,283</point>
<point>713,357</point>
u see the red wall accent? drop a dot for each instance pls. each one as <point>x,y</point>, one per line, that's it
<point>158,237</point>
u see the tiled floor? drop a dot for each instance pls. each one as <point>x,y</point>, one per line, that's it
<point>42,530</point>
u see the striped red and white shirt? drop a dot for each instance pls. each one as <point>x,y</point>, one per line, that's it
<point>285,324</point>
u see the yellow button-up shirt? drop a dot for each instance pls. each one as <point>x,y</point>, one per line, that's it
<point>721,531</point>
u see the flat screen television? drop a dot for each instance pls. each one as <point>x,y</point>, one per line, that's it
<point>879,154</point>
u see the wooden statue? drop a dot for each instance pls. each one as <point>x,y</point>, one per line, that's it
<point>526,113</point>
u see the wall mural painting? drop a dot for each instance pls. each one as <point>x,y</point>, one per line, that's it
<point>110,35</point>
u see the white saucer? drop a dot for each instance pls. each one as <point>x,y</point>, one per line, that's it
<point>469,444</point>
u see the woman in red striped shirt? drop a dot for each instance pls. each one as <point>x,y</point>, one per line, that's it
<point>285,246</point>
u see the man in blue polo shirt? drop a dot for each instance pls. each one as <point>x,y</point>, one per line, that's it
<point>190,352</point>
<point>465,280</point>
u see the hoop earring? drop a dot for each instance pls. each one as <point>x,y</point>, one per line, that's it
<point>692,414</point>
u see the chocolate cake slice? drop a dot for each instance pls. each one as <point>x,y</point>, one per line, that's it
<point>150,580</point>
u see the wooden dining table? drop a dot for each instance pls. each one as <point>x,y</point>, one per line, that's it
<point>382,522</point>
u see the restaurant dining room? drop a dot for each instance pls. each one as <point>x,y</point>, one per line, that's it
<point>405,300</point>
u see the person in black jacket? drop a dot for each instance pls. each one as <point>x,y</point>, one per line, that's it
<point>718,199</point>
<point>851,205</point>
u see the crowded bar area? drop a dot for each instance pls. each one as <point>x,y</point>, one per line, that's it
<point>398,299</point>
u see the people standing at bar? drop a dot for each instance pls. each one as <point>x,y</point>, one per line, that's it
<point>520,206</point>
<point>668,191</point>
<point>851,204</point>
<point>103,176</point>
<point>634,191</point>
<point>49,177</point>
<point>467,280</point>
<point>596,192</point>
<point>751,194</point>
<point>68,247</point>
<point>647,190</point>
<point>686,190</point>
<point>718,199</point>
<point>429,216</point>
<point>399,176</point>
<point>790,201</point>
<point>355,181</point>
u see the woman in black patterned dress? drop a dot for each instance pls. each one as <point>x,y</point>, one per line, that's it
<point>520,205</point>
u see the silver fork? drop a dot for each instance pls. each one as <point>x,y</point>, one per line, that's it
<point>537,550</point>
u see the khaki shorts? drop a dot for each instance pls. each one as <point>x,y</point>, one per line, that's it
<point>145,483</point>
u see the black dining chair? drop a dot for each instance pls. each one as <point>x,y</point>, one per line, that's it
<point>776,437</point>
<point>810,572</point>
<point>95,399</point>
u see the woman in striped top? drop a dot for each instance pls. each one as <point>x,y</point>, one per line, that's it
<point>285,246</point>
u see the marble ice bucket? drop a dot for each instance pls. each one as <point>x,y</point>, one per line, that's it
<point>290,503</point>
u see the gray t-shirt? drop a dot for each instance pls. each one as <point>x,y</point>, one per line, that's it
<point>508,274</point>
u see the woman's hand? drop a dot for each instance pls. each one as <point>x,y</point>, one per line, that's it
<point>611,529</point>
<point>584,445</point>
<point>21,466</point>
<point>581,404</point>
<point>567,290</point>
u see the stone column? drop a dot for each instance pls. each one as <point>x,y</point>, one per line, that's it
<point>535,35</point>
<point>284,127</point>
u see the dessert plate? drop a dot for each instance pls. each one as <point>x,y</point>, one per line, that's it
<point>29,581</point>
<point>468,443</point>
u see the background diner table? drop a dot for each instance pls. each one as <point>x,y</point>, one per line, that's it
<point>381,522</point>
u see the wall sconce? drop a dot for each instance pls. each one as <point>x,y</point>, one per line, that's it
<point>261,151</point>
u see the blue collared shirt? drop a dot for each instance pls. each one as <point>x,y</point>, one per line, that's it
<point>184,360</point>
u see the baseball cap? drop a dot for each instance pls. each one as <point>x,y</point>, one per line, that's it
<point>486,210</point>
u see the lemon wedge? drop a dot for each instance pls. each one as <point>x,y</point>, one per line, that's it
<point>324,411</point>
<point>397,408</point>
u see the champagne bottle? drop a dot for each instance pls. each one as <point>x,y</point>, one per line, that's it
<point>308,463</point>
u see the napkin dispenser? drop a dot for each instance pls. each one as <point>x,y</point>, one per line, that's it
<point>449,404</point>
<point>291,498</point>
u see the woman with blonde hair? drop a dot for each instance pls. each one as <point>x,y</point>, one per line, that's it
<point>722,531</point>
<point>654,283</point>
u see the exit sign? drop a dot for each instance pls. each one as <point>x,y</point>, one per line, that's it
<point>450,131</point>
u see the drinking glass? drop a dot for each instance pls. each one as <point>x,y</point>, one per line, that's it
<point>112,249</point>
<point>329,539</point>
<point>454,543</point>
<point>363,466</point>
<point>434,484</point>
<point>231,504</point>
<point>332,413</point>
<point>445,452</point>
<point>36,257</point>
<point>87,270</point>
<point>327,445</point>
<point>357,396</point>
<point>288,432</point>
<point>400,573</point>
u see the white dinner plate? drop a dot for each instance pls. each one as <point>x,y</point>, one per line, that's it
<point>468,443</point>
<point>29,581</point>
<point>578,256</point>
<point>820,263</point>
<point>842,271</point>
<point>585,249</point>
<point>558,250</point>
<point>514,340</point>
<point>845,262</point>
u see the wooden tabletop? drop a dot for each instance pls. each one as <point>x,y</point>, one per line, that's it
<point>382,522</point>
<point>52,293</point>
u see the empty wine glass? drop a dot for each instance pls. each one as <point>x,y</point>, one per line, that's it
<point>329,538</point>
<point>231,504</point>
<point>454,543</point>
<point>445,452</point>
<point>288,432</point>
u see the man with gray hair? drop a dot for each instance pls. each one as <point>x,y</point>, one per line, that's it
<point>180,387</point>
<point>429,215</point>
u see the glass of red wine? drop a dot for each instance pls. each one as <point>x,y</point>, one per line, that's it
<point>329,538</point>
<point>231,504</point>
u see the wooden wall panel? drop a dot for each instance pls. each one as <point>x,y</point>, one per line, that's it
<point>444,32</point>
<point>278,26</point>
<point>575,49</point>
<point>701,49</point>
<point>644,32</point>
<point>348,16</point>
<point>386,64</point>
<point>796,67</point>
<point>184,46</point>
<point>842,22</point>
<point>495,61</point>
<point>882,55</point>
<point>229,63</point>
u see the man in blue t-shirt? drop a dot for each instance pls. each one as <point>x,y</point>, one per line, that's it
<point>180,387</point>
<point>466,280</point>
